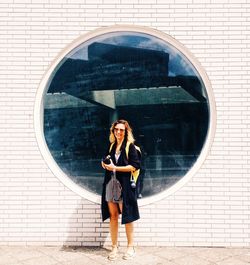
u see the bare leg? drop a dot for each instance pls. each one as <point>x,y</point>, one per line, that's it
<point>130,253</point>
<point>129,227</point>
<point>129,230</point>
<point>130,233</point>
<point>113,225</point>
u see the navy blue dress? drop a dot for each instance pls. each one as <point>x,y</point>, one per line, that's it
<point>130,211</point>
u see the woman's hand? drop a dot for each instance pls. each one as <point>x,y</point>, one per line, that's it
<point>103,165</point>
<point>109,167</point>
<point>112,167</point>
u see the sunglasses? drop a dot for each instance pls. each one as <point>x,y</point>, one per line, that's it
<point>118,129</point>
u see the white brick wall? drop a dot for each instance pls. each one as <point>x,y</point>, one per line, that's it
<point>212,209</point>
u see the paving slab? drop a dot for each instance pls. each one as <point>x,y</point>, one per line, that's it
<point>19,255</point>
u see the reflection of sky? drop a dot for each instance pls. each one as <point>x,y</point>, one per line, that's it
<point>178,63</point>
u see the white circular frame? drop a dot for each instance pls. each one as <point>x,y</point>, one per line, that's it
<point>39,112</point>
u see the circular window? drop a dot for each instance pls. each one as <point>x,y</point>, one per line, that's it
<point>137,74</point>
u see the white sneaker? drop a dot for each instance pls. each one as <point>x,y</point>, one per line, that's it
<point>113,254</point>
<point>130,253</point>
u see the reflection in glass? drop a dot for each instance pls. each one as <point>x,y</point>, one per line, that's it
<point>133,76</point>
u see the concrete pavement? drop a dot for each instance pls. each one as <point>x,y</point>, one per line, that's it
<point>35,255</point>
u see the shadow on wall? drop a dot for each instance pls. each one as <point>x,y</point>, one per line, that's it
<point>85,227</point>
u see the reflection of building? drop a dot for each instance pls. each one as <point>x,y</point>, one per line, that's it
<point>169,114</point>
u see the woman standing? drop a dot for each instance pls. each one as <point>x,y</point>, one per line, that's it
<point>120,167</point>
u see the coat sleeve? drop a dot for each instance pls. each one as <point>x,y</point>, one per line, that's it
<point>133,158</point>
<point>108,151</point>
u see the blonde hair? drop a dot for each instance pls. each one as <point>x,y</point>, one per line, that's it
<point>128,131</point>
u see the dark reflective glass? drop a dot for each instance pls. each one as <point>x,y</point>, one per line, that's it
<point>132,76</point>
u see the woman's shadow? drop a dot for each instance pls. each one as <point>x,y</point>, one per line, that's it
<point>86,232</point>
